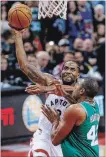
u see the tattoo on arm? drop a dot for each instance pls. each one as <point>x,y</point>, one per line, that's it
<point>37,76</point>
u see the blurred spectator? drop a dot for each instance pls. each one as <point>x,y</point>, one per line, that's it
<point>88,45</point>
<point>84,66</point>
<point>86,23</point>
<point>57,70</point>
<point>60,25</point>
<point>29,3</point>
<point>43,60</point>
<point>100,33</point>
<point>4,22</point>
<point>19,77</point>
<point>73,21</point>
<point>101,41</point>
<point>28,47</point>
<point>37,44</point>
<point>89,53</point>
<point>51,27</point>
<point>7,42</point>
<point>7,75</point>
<point>99,16</point>
<point>63,47</point>
<point>8,47</point>
<point>78,44</point>
<point>50,46</point>
<point>32,60</point>
<point>52,50</point>
<point>28,35</point>
<point>4,68</point>
<point>35,24</point>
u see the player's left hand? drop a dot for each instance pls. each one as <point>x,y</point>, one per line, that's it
<point>38,89</point>
<point>51,114</point>
<point>34,89</point>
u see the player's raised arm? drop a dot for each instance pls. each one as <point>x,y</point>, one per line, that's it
<point>30,70</point>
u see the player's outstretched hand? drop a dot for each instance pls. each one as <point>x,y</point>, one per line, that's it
<point>38,89</point>
<point>51,114</point>
<point>34,89</point>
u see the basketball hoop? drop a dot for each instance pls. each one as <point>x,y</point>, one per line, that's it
<point>48,8</point>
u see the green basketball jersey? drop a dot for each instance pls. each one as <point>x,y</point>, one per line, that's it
<point>83,139</point>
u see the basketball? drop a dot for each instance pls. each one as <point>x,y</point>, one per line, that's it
<point>19,16</point>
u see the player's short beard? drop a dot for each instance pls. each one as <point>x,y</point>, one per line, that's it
<point>68,83</point>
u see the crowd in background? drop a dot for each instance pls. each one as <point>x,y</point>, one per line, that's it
<point>53,41</point>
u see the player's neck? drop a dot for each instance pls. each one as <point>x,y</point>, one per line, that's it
<point>73,84</point>
<point>88,99</point>
<point>81,99</point>
<point>69,84</point>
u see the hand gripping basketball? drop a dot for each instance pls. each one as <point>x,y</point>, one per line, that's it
<point>19,16</point>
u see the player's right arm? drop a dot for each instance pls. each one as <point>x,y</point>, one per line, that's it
<point>32,71</point>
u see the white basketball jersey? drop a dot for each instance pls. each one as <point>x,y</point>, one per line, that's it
<point>57,102</point>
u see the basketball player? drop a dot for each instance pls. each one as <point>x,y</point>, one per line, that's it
<point>78,131</point>
<point>41,144</point>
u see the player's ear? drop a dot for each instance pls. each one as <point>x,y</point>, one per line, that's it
<point>78,75</point>
<point>82,91</point>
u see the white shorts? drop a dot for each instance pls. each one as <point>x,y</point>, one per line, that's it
<point>41,145</point>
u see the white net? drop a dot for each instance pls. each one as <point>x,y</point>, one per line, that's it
<point>48,8</point>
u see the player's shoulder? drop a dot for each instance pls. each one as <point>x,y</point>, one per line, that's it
<point>76,109</point>
<point>77,113</point>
